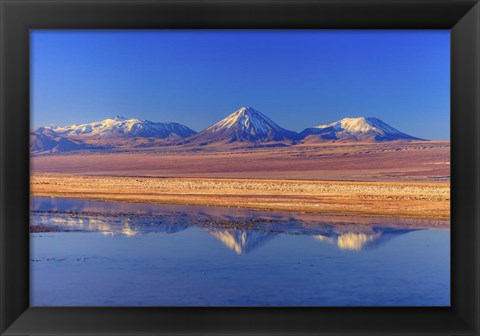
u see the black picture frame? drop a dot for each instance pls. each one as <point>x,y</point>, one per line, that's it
<point>17,17</point>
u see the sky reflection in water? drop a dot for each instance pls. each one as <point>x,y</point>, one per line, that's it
<point>183,255</point>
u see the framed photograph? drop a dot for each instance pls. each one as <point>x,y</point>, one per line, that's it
<point>232,167</point>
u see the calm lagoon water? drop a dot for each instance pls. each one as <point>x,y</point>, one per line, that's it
<point>133,254</point>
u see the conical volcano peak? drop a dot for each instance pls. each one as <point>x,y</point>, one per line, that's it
<point>247,113</point>
<point>248,120</point>
<point>244,125</point>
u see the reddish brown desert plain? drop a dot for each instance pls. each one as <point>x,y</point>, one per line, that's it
<point>401,179</point>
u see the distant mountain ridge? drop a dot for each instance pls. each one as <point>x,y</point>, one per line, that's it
<point>103,135</point>
<point>43,140</point>
<point>245,127</point>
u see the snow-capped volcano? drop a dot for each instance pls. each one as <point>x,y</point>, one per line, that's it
<point>244,125</point>
<point>356,129</point>
<point>119,127</point>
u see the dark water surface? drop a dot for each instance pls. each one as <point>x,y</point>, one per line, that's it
<point>92,253</point>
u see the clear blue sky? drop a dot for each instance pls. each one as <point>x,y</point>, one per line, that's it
<point>297,78</point>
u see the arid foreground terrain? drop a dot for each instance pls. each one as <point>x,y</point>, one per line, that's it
<point>408,179</point>
<point>407,199</point>
<point>390,161</point>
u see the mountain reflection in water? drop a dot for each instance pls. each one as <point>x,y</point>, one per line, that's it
<point>355,241</point>
<point>93,253</point>
<point>242,239</point>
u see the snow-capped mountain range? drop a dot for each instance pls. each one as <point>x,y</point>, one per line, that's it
<point>245,126</point>
<point>119,127</point>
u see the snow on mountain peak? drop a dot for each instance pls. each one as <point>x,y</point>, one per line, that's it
<point>248,119</point>
<point>358,129</point>
<point>360,124</point>
<point>244,125</point>
<point>245,109</point>
<point>118,127</point>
